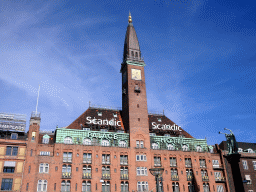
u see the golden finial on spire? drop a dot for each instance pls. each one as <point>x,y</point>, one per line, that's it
<point>130,17</point>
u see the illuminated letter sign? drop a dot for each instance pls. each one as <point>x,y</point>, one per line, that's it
<point>94,121</point>
<point>166,127</point>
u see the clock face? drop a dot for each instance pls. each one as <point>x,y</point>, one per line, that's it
<point>136,74</point>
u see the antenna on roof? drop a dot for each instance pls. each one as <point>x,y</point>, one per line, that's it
<point>37,98</point>
<point>89,104</point>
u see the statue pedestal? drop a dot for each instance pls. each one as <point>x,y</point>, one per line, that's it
<point>234,160</point>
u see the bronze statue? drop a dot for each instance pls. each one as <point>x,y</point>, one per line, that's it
<point>231,142</point>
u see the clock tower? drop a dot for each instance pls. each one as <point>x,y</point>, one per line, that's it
<point>134,99</point>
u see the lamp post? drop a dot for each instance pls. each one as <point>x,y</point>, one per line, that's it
<point>157,172</point>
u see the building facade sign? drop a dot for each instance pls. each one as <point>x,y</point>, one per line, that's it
<point>112,122</point>
<point>173,127</point>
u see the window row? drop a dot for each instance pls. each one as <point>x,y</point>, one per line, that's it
<point>87,141</point>
<point>172,147</point>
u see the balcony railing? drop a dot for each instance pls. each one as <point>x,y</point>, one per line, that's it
<point>87,176</point>
<point>205,178</point>
<point>89,161</point>
<point>217,167</point>
<point>173,165</point>
<point>220,179</point>
<point>124,177</point>
<point>66,175</point>
<point>106,162</point>
<point>124,162</point>
<point>202,166</point>
<point>175,178</point>
<point>105,176</point>
<point>189,178</point>
<point>188,165</point>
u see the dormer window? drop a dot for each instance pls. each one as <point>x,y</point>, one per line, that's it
<point>159,120</point>
<point>114,114</point>
<point>14,136</point>
<point>240,150</point>
<point>68,140</point>
<point>152,134</point>
<point>99,113</point>
<point>250,151</point>
<point>46,139</point>
<point>86,129</point>
<point>167,135</point>
<point>104,130</point>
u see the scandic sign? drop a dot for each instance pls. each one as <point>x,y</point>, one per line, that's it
<point>94,121</point>
<point>166,127</point>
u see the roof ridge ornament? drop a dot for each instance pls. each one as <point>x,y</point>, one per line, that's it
<point>130,18</point>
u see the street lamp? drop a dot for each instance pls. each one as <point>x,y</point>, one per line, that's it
<point>157,172</point>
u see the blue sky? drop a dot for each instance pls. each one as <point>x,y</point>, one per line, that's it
<point>200,60</point>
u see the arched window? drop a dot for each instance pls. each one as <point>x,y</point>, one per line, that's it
<point>68,140</point>
<point>124,186</point>
<point>87,141</point>
<point>155,146</point>
<point>66,171</point>
<point>250,150</point>
<point>136,54</point>
<point>175,187</point>
<point>132,53</point>
<point>191,187</point>
<point>184,148</point>
<point>122,144</point>
<point>65,186</point>
<point>104,142</point>
<point>170,147</point>
<point>42,185</point>
<point>87,172</point>
<point>198,148</point>
<point>86,186</point>
<point>240,150</point>
<point>206,187</point>
<point>106,186</point>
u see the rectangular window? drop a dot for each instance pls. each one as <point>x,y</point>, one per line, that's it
<point>248,179</point>
<point>215,163</point>
<point>43,168</point>
<point>202,163</point>
<point>54,186</point>
<point>27,186</point>
<point>42,185</point>
<point>105,158</point>
<point>137,144</point>
<point>87,158</point>
<point>220,188</point>
<point>44,153</point>
<point>188,162</point>
<point>67,157</point>
<point>245,164</point>
<point>6,185</point>
<point>142,171</point>
<point>9,166</point>
<point>254,165</point>
<point>11,151</point>
<point>157,161</point>
<point>123,159</point>
<point>142,186</point>
<point>173,162</point>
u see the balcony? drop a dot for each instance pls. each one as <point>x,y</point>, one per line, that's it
<point>188,165</point>
<point>173,165</point>
<point>106,162</point>
<point>106,176</point>
<point>175,178</point>
<point>124,162</point>
<point>217,167</point>
<point>66,175</point>
<point>87,176</point>
<point>205,178</point>
<point>203,166</point>
<point>88,161</point>
<point>220,179</point>
<point>189,177</point>
<point>124,177</point>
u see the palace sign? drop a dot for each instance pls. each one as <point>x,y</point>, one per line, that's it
<point>166,127</point>
<point>112,122</point>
